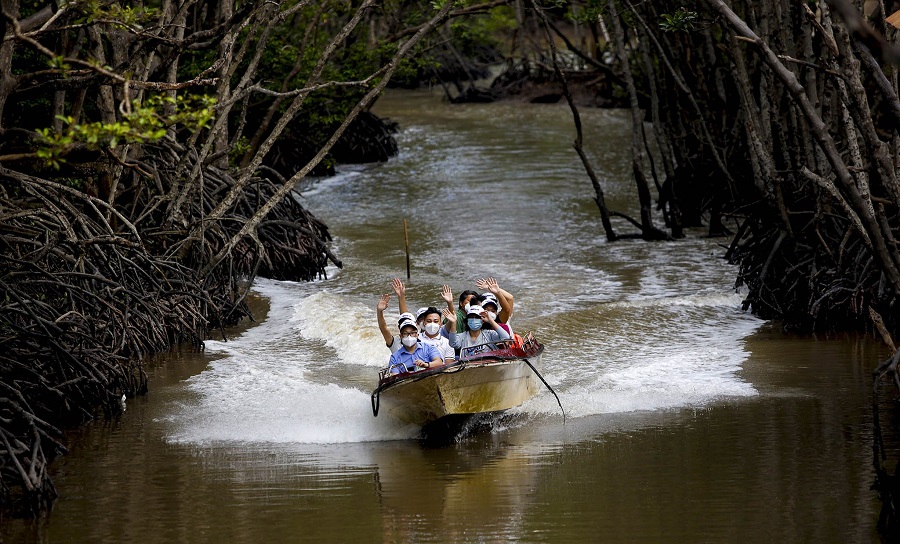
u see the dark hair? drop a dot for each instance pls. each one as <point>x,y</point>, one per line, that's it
<point>430,310</point>
<point>477,299</point>
<point>464,294</point>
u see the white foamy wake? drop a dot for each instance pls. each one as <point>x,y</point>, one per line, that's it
<point>305,374</point>
<point>278,382</point>
<point>665,353</point>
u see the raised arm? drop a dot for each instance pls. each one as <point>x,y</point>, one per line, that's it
<point>450,328</point>
<point>501,333</point>
<point>400,289</point>
<point>447,295</point>
<point>505,297</point>
<point>382,324</point>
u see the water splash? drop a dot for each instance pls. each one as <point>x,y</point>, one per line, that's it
<point>304,375</point>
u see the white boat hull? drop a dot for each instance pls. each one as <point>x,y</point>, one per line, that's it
<point>473,388</point>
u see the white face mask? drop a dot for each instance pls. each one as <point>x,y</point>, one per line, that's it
<point>432,328</point>
<point>466,307</point>
<point>409,341</point>
<point>493,316</point>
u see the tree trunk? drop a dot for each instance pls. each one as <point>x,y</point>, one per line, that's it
<point>8,82</point>
<point>648,231</point>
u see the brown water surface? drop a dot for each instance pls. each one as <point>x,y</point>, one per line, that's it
<point>687,419</point>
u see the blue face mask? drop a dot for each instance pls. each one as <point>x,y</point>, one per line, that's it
<point>474,323</point>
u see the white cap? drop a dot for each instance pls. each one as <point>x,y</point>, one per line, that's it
<point>406,315</point>
<point>407,323</point>
<point>490,298</point>
<point>421,311</point>
<point>475,309</point>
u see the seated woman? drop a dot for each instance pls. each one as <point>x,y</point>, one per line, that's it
<point>481,332</point>
<point>492,307</point>
<point>502,299</point>
<point>429,321</point>
<point>413,355</point>
<point>465,299</point>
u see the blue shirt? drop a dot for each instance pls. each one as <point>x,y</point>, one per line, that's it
<point>404,361</point>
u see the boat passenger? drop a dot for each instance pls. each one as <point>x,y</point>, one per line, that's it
<point>492,307</point>
<point>465,299</point>
<point>391,341</point>
<point>481,332</point>
<point>415,355</point>
<point>429,322</point>
<point>400,289</point>
<point>504,298</point>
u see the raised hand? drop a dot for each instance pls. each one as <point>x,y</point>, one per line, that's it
<point>450,316</point>
<point>447,295</point>
<point>488,283</point>
<point>383,302</point>
<point>382,324</point>
<point>399,288</point>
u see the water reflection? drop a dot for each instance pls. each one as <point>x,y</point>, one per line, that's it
<point>454,494</point>
<point>688,422</point>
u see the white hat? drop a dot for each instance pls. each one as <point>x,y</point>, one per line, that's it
<point>407,323</point>
<point>475,309</point>
<point>421,312</point>
<point>492,299</point>
<point>404,316</point>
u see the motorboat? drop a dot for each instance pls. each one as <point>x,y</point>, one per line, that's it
<point>478,382</point>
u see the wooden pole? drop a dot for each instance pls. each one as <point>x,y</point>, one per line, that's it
<point>406,236</point>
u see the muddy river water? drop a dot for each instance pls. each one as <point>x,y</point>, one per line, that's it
<point>688,420</point>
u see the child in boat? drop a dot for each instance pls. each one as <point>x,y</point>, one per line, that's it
<point>481,332</point>
<point>414,355</point>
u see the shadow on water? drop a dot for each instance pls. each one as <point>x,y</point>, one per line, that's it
<point>456,428</point>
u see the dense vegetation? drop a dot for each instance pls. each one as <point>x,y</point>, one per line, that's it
<point>149,154</point>
<point>780,119</point>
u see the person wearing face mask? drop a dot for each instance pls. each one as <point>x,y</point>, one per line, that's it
<point>503,298</point>
<point>465,299</point>
<point>492,307</point>
<point>391,341</point>
<point>414,355</point>
<point>481,332</point>
<point>429,321</point>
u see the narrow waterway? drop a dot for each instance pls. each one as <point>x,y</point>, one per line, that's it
<point>688,419</point>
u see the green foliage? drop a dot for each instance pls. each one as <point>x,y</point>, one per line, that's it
<point>59,63</point>
<point>474,33</point>
<point>586,12</point>
<point>681,21</point>
<point>439,4</point>
<point>554,4</point>
<point>144,123</point>
<point>122,17</point>
<point>238,149</point>
<point>409,71</point>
